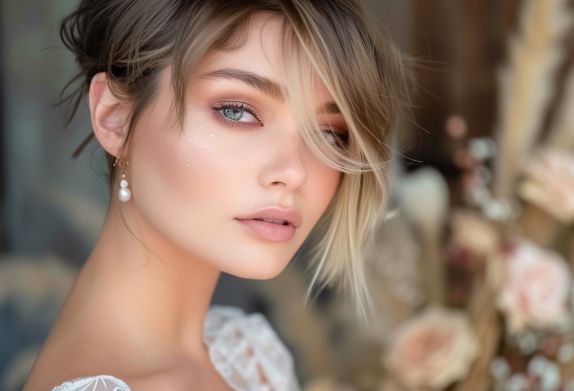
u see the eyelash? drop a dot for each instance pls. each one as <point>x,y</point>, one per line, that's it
<point>341,136</point>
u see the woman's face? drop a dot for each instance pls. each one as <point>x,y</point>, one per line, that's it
<point>239,152</point>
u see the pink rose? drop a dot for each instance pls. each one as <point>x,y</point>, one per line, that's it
<point>549,183</point>
<point>535,290</point>
<point>432,349</point>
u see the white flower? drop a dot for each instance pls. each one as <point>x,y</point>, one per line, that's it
<point>536,287</point>
<point>549,183</point>
<point>432,349</point>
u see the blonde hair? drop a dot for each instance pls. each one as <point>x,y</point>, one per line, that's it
<point>333,40</point>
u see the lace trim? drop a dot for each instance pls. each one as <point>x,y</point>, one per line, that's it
<point>95,383</point>
<point>247,352</point>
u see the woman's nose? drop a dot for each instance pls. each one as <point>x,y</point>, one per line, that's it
<point>285,164</point>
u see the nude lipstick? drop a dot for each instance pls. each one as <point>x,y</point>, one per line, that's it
<point>274,224</point>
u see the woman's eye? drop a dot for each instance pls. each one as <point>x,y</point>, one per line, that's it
<point>338,139</point>
<point>236,112</point>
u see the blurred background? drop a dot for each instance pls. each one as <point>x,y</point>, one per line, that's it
<point>471,274</point>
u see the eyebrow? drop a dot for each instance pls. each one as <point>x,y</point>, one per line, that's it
<point>263,84</point>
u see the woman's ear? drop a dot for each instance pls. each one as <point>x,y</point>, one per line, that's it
<point>109,115</point>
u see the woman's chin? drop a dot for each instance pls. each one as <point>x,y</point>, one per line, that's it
<point>263,270</point>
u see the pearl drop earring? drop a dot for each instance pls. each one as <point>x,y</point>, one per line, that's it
<point>124,193</point>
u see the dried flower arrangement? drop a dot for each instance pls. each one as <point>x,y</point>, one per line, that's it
<point>510,248</point>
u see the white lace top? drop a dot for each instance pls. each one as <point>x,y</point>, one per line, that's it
<point>244,349</point>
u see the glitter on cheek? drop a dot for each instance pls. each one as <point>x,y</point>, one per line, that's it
<point>200,134</point>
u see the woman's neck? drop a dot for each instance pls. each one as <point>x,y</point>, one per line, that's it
<point>155,295</point>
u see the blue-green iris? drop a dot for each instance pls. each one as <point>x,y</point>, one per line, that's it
<point>233,113</point>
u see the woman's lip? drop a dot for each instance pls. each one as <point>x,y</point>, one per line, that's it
<point>290,215</point>
<point>268,231</point>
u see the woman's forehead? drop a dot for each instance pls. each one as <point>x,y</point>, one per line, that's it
<point>260,53</point>
<point>251,66</point>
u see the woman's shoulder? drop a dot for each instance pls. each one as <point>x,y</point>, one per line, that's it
<point>241,347</point>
